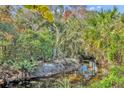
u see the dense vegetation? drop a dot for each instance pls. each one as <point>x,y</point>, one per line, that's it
<point>32,33</point>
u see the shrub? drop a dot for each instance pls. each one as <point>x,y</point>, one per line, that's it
<point>34,45</point>
<point>114,79</point>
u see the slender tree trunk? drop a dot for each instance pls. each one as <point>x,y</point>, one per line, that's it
<point>55,50</point>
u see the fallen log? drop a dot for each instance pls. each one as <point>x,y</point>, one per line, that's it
<point>43,71</point>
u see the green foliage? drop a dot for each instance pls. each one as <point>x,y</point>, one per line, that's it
<point>28,45</point>
<point>25,65</point>
<point>114,79</point>
<point>6,35</point>
<point>64,83</point>
<point>3,41</point>
<point>35,45</point>
<point>7,31</point>
<point>70,41</point>
<point>7,27</point>
<point>19,47</point>
<point>102,37</point>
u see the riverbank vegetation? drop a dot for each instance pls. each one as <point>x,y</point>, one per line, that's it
<point>30,34</point>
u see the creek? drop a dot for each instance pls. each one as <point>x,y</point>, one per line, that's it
<point>61,74</point>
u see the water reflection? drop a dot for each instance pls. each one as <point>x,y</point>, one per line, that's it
<point>88,69</point>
